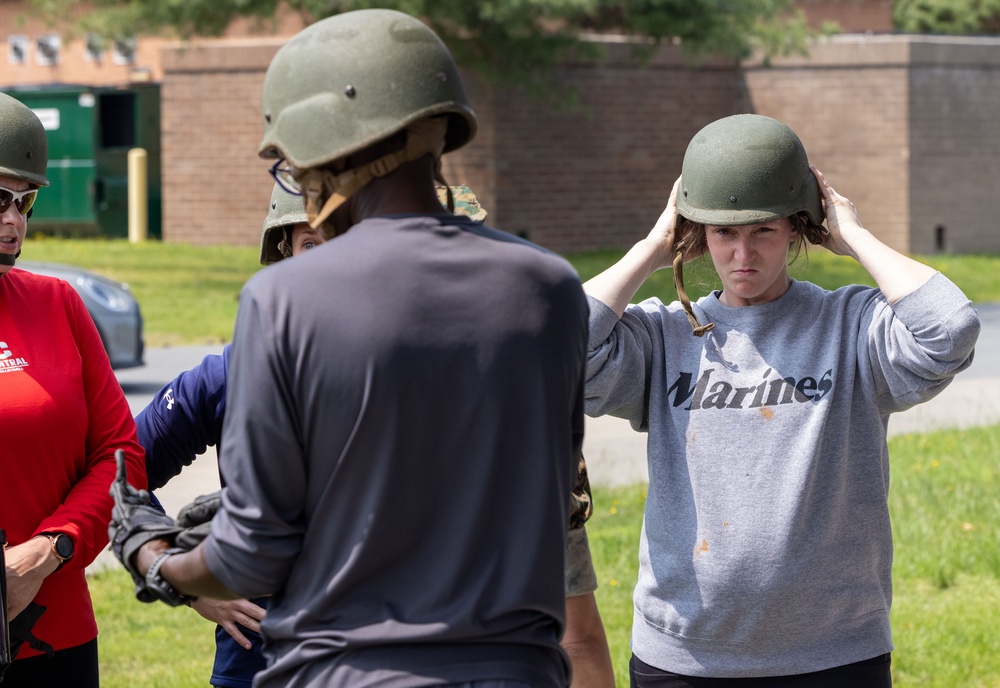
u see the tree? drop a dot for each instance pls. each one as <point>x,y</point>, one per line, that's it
<point>948,16</point>
<point>506,41</point>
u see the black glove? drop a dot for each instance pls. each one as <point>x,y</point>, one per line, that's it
<point>196,519</point>
<point>20,630</point>
<point>19,633</point>
<point>134,522</point>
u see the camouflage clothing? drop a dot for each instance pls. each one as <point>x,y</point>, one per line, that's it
<point>464,201</point>
<point>580,577</point>
<point>581,501</point>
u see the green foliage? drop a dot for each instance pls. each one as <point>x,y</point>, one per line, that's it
<point>509,42</point>
<point>724,27</point>
<point>947,16</point>
<point>118,19</point>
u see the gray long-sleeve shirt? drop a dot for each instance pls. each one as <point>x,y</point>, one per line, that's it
<point>766,547</point>
<point>405,418</point>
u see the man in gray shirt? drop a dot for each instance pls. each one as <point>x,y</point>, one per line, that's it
<point>406,401</point>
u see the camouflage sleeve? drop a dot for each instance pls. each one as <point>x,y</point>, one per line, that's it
<point>581,502</point>
<point>463,201</point>
<point>580,577</point>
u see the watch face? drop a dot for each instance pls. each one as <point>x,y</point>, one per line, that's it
<point>64,546</point>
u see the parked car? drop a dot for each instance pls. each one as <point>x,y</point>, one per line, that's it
<point>112,306</point>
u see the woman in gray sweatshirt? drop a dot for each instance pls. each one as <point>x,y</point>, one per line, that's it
<point>766,548</point>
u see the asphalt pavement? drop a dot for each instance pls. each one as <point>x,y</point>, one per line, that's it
<point>616,455</point>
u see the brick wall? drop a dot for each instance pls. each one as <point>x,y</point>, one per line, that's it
<point>904,126</point>
<point>954,145</point>
<point>591,177</point>
<point>594,176</point>
<point>598,175</point>
<point>900,125</point>
<point>848,102</point>
<point>215,187</point>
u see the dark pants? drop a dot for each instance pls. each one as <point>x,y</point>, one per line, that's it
<point>74,666</point>
<point>871,673</point>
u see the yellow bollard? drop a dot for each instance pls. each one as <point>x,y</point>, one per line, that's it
<point>138,192</point>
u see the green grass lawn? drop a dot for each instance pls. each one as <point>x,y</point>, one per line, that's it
<point>150,645</point>
<point>945,507</point>
<point>945,504</point>
<point>945,495</point>
<point>189,294</point>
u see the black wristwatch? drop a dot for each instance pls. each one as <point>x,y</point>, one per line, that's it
<point>62,547</point>
<point>160,586</point>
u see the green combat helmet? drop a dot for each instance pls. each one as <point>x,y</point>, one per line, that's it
<point>744,170</point>
<point>24,149</point>
<point>350,81</point>
<point>284,210</point>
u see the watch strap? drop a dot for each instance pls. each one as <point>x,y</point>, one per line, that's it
<point>160,587</point>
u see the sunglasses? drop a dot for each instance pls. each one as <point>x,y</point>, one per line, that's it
<point>282,174</point>
<point>22,200</point>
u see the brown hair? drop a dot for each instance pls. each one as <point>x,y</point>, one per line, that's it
<point>692,235</point>
<point>692,240</point>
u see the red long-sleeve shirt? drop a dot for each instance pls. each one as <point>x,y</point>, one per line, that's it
<point>62,416</point>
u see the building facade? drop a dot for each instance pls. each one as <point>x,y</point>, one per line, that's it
<point>900,124</point>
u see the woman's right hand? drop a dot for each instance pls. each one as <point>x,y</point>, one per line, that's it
<point>28,564</point>
<point>663,234</point>
<point>231,615</point>
<point>618,284</point>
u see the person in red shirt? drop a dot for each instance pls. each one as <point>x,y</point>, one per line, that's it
<point>64,415</point>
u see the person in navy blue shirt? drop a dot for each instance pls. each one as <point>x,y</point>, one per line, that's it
<point>185,418</point>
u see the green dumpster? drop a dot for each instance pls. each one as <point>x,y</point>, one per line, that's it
<point>90,132</point>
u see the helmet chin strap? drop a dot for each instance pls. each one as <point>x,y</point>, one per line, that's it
<point>699,329</point>
<point>285,244</point>
<point>422,138</point>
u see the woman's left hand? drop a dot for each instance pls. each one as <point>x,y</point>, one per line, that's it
<point>27,566</point>
<point>841,218</point>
